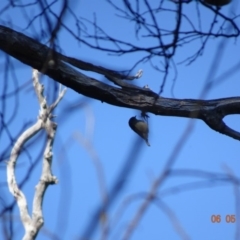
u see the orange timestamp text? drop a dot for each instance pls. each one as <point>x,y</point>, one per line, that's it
<point>228,218</point>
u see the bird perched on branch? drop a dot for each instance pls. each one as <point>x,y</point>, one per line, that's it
<point>140,127</point>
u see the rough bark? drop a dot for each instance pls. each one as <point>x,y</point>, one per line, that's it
<point>53,64</point>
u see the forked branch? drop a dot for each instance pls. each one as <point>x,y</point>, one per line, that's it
<point>53,64</point>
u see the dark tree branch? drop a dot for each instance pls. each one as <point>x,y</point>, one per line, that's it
<point>53,64</point>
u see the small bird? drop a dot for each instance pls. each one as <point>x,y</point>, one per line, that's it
<point>140,127</point>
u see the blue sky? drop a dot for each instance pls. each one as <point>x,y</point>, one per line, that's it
<point>193,198</point>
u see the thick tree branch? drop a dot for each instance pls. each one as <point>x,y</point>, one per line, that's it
<point>53,64</point>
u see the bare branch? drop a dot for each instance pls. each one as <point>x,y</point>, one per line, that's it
<point>32,225</point>
<point>11,179</point>
<point>34,54</point>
